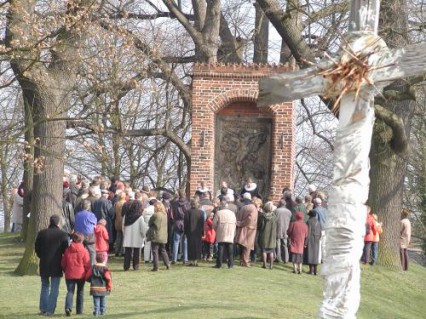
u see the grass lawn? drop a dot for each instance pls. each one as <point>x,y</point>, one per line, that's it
<point>205,292</point>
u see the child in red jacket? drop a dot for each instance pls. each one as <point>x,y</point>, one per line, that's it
<point>208,238</point>
<point>100,280</point>
<point>75,263</point>
<point>101,239</point>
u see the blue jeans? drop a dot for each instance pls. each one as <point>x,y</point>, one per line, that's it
<point>177,237</point>
<point>71,283</point>
<point>99,304</point>
<point>49,293</point>
<point>374,252</point>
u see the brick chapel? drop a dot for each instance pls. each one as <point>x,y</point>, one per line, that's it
<point>232,138</point>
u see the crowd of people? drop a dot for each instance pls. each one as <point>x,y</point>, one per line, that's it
<point>108,217</point>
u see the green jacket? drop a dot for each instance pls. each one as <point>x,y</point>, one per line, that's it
<point>267,227</point>
<point>157,232</point>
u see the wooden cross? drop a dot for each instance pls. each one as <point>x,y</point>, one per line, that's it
<point>365,66</point>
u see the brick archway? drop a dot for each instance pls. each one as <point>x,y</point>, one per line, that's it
<point>232,89</point>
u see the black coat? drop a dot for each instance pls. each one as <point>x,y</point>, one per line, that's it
<point>50,245</point>
<point>194,228</point>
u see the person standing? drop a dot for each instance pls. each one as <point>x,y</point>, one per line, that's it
<point>134,230</point>
<point>85,222</point>
<point>179,207</point>
<point>283,222</point>
<point>75,263</point>
<point>194,227</point>
<point>297,232</point>
<point>50,245</point>
<point>118,221</point>
<point>158,235</point>
<point>246,230</point>
<point>405,238</point>
<point>375,243</point>
<point>322,213</point>
<point>312,250</point>
<point>100,280</point>
<point>370,233</point>
<point>224,223</point>
<point>102,239</point>
<point>267,227</point>
<point>103,209</point>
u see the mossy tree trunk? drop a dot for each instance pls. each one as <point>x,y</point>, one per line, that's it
<point>46,89</point>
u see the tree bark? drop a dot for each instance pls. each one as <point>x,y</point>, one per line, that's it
<point>46,92</point>
<point>388,168</point>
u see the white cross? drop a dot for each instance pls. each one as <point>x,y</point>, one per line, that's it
<point>363,69</point>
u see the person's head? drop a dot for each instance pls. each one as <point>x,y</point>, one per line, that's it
<point>159,208</point>
<point>224,190</point>
<point>312,188</point>
<point>247,196</point>
<point>229,198</point>
<point>77,237</point>
<point>224,184</point>
<point>282,203</point>
<point>87,205</point>
<point>102,222</point>
<point>322,196</point>
<point>131,195</point>
<point>317,201</point>
<point>308,199</point>
<point>223,204</point>
<point>54,220</point>
<point>269,207</point>
<point>195,202</point>
<point>181,193</point>
<point>404,213</point>
<point>100,258</point>
<point>249,180</point>
<point>257,202</point>
<point>299,215</point>
<point>166,196</point>
<point>376,218</point>
<point>312,213</point>
<point>105,193</point>
<point>299,200</point>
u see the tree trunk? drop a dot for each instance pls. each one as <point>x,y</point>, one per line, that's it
<point>261,36</point>
<point>388,168</point>
<point>4,190</point>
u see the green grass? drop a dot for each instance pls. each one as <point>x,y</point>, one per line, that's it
<point>204,292</point>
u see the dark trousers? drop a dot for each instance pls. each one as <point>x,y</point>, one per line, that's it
<point>131,253</point>
<point>155,247</point>
<point>366,252</point>
<point>404,258</point>
<point>226,250</point>
<point>71,284</point>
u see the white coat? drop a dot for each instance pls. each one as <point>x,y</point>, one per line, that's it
<point>134,234</point>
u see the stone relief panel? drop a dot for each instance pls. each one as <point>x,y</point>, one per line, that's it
<point>242,150</point>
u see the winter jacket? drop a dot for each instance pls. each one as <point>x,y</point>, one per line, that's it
<point>224,223</point>
<point>75,261</point>
<point>157,228</point>
<point>50,245</point>
<point>267,227</point>
<point>372,230</point>
<point>179,208</point>
<point>209,232</point>
<point>101,238</point>
<point>134,234</point>
<point>297,232</point>
<point>246,226</point>
<point>100,280</point>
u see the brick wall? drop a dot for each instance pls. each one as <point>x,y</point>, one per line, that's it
<point>233,90</point>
